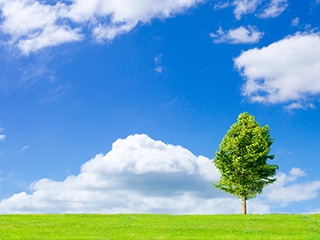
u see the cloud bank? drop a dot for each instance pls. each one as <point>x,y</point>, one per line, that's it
<point>141,175</point>
<point>32,24</point>
<point>138,175</point>
<point>286,71</point>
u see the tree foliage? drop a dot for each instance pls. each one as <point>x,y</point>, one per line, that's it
<point>242,158</point>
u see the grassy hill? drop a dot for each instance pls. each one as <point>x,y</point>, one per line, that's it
<point>151,226</point>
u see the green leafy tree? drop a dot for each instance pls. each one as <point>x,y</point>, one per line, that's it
<point>242,159</point>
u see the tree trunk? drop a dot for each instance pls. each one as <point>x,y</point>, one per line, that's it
<point>244,205</point>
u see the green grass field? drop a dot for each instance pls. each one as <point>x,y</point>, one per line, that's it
<point>145,226</point>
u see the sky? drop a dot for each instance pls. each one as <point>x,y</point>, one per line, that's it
<point>118,106</point>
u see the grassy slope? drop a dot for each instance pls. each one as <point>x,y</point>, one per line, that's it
<point>129,226</point>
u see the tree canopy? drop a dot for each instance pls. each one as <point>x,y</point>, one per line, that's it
<point>242,159</point>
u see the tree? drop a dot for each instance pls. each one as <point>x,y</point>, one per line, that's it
<point>242,159</point>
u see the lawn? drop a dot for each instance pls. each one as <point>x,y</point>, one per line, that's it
<point>152,226</point>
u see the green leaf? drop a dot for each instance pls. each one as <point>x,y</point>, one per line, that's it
<point>242,158</point>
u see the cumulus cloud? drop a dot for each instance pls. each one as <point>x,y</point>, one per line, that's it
<point>274,8</point>
<point>125,11</point>
<point>284,190</point>
<point>236,36</point>
<point>285,71</point>
<point>139,174</point>
<point>33,24</point>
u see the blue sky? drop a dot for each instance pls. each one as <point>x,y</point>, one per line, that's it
<point>118,106</point>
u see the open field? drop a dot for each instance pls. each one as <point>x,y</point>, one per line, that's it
<point>145,226</point>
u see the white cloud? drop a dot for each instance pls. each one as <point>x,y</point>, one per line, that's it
<point>157,61</point>
<point>141,175</point>
<point>2,136</point>
<point>50,36</point>
<point>285,71</point>
<point>298,105</point>
<point>297,172</point>
<point>295,21</point>
<point>137,175</point>
<point>124,11</point>
<point>267,8</point>
<point>106,32</point>
<point>33,24</point>
<point>25,147</point>
<point>238,35</point>
<point>24,16</point>
<point>243,7</point>
<point>139,154</point>
<point>274,9</point>
<point>295,193</point>
<point>315,211</point>
<point>158,58</point>
<point>222,5</point>
<point>158,69</point>
<point>284,190</point>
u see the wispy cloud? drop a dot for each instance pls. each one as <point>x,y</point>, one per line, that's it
<point>222,5</point>
<point>238,35</point>
<point>25,147</point>
<point>243,7</point>
<point>274,9</point>
<point>295,21</point>
<point>157,61</point>
<point>158,58</point>
<point>158,69</point>
<point>297,105</point>
<point>262,8</point>
<point>2,136</point>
